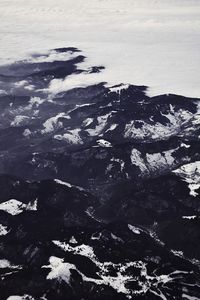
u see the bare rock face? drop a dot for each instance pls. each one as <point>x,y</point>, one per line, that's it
<point>99,186</point>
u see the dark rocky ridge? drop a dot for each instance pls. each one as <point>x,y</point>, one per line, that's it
<point>87,176</point>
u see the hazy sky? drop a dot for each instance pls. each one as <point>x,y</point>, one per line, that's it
<point>156,43</point>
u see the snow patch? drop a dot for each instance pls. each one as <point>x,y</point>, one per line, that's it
<point>26,132</point>
<point>189,297</point>
<point>189,217</point>
<point>24,297</point>
<point>71,136</point>
<point>73,240</point>
<point>112,127</point>
<point>118,88</point>
<point>134,229</point>
<point>3,230</point>
<point>54,123</point>
<point>119,161</point>
<point>18,120</point>
<point>102,121</point>
<point>160,160</point>
<point>15,207</point>
<point>116,238</point>
<point>63,183</point>
<point>35,101</point>
<point>87,122</point>
<point>185,145</point>
<point>59,269</point>
<point>190,173</point>
<point>104,143</point>
<point>32,205</point>
<point>69,185</point>
<point>137,160</point>
<point>5,264</point>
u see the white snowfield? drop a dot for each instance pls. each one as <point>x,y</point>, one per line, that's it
<point>150,42</point>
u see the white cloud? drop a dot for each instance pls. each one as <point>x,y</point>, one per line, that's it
<point>73,81</point>
<point>151,42</point>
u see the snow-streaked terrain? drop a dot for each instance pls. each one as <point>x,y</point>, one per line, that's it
<point>99,180</point>
<point>155,43</point>
<point>61,270</point>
